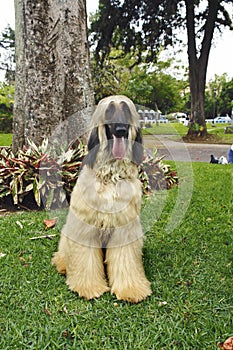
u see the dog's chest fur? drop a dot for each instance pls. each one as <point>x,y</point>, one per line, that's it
<point>109,197</point>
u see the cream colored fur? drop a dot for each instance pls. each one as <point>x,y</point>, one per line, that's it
<point>104,212</point>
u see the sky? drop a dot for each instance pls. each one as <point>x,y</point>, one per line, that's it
<point>220,59</point>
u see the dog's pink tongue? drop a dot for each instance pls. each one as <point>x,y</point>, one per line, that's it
<point>118,149</point>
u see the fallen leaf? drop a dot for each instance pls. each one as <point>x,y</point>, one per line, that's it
<point>49,313</point>
<point>2,255</point>
<point>65,334</point>
<point>227,345</point>
<point>50,222</point>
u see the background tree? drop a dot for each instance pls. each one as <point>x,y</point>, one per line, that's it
<point>7,54</point>
<point>219,97</point>
<point>213,96</point>
<point>52,71</point>
<point>226,98</point>
<point>147,84</point>
<point>146,25</point>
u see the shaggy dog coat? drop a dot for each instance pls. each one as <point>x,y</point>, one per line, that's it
<point>100,248</point>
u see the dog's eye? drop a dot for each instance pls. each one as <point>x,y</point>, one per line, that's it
<point>110,111</point>
<point>126,110</point>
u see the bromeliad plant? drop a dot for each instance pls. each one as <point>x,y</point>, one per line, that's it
<point>155,175</point>
<point>49,173</point>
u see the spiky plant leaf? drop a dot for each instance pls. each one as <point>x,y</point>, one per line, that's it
<point>36,192</point>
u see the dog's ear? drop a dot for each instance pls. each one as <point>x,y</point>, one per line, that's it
<point>93,148</point>
<point>93,139</point>
<point>138,148</point>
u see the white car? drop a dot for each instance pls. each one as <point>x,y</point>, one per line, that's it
<point>181,117</point>
<point>222,119</point>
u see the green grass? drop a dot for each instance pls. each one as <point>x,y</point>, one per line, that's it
<point>5,139</point>
<point>190,269</point>
<point>178,130</point>
<point>166,129</point>
<point>219,131</point>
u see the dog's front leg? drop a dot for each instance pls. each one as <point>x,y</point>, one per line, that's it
<point>85,271</point>
<point>80,257</point>
<point>126,273</point>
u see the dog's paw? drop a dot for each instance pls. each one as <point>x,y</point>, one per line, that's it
<point>92,294</point>
<point>133,294</point>
<point>58,260</point>
<point>88,292</point>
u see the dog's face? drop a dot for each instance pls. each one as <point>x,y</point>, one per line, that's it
<point>115,131</point>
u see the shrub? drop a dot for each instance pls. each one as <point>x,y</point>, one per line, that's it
<point>6,123</point>
<point>48,172</point>
<point>155,175</point>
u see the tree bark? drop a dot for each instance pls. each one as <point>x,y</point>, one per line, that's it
<point>198,65</point>
<point>53,97</point>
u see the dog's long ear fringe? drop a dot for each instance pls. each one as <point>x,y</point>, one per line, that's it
<point>93,148</point>
<point>138,148</point>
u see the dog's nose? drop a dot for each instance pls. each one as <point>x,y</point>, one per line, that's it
<point>120,130</point>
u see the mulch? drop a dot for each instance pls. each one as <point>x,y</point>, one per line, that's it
<point>7,206</point>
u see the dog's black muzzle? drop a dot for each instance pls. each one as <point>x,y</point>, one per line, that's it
<point>117,129</point>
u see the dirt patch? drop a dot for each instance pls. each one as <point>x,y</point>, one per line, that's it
<point>210,138</point>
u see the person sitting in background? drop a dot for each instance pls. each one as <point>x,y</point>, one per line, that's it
<point>230,155</point>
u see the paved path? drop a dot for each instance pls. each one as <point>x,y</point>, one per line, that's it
<point>180,151</point>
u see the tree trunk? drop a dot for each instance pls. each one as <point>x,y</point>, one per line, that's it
<point>198,65</point>
<point>53,97</point>
<point>197,124</point>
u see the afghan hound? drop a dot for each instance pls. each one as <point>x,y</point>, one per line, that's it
<point>101,243</point>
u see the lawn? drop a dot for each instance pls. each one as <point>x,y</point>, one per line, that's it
<point>177,130</point>
<point>166,129</point>
<point>190,268</point>
<point>5,139</point>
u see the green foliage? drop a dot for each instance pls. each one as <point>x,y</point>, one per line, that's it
<point>7,95</point>
<point>145,26</point>
<point>226,98</point>
<point>146,84</point>
<point>190,269</point>
<point>6,122</point>
<point>219,97</point>
<point>6,107</point>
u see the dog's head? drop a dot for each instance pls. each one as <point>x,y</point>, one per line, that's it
<point>115,131</point>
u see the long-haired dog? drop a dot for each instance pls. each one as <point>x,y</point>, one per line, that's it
<point>100,248</point>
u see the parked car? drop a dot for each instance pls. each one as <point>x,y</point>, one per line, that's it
<point>222,119</point>
<point>162,119</point>
<point>181,117</point>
